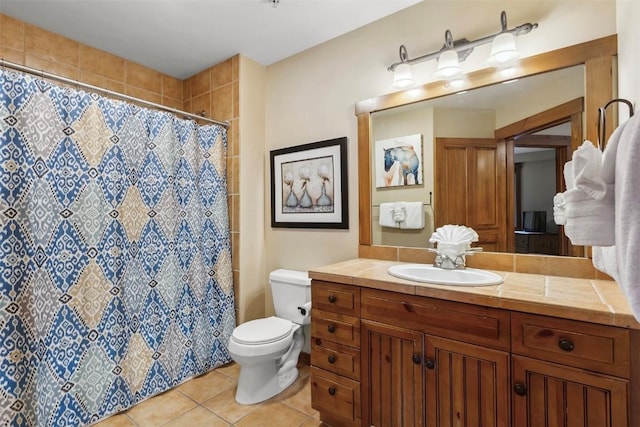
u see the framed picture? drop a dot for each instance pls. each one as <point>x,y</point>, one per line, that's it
<point>398,161</point>
<point>309,185</point>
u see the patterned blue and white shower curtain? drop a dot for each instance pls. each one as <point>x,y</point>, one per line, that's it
<point>115,264</point>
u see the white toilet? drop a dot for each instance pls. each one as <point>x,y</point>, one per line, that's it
<point>267,349</point>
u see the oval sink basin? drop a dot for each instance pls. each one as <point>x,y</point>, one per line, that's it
<point>427,273</point>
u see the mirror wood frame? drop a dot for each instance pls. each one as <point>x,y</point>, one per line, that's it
<point>597,56</point>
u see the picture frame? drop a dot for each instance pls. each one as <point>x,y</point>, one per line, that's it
<point>399,162</point>
<point>309,187</point>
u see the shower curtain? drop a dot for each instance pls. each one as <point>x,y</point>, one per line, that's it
<point>115,261</point>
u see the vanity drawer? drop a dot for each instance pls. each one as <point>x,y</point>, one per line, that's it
<point>336,358</point>
<point>337,396</point>
<point>584,345</point>
<point>465,322</point>
<point>335,297</point>
<point>335,327</point>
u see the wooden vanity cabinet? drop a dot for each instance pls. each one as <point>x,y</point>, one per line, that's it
<point>408,360</point>
<point>335,353</point>
<point>569,373</point>
<point>418,371</point>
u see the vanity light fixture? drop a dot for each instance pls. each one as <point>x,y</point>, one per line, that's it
<point>503,52</point>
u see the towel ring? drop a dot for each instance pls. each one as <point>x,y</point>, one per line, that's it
<point>602,120</point>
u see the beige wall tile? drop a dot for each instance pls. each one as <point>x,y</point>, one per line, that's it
<point>491,261</point>
<point>236,100</point>
<point>222,103</point>
<point>53,67</point>
<point>143,94</point>
<point>233,138</point>
<point>200,83</point>
<point>143,77</point>
<point>235,213</point>
<point>172,103</point>
<point>555,266</point>
<point>172,87</point>
<point>388,253</point>
<point>235,174</point>
<point>236,290</point>
<point>102,63</point>
<point>51,47</point>
<point>202,103</point>
<point>235,250</point>
<point>186,89</point>
<point>235,68</point>
<point>101,82</point>
<point>12,55</point>
<point>221,74</point>
<point>418,255</point>
<point>11,33</point>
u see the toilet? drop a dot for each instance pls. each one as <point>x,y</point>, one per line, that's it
<point>267,349</point>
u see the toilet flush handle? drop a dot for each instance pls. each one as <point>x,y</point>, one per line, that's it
<point>303,310</point>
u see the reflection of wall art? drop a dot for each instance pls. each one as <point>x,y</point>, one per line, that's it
<point>309,185</point>
<point>398,161</point>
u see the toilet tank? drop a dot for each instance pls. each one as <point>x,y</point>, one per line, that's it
<point>290,289</point>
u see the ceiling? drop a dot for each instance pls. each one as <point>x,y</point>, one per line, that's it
<point>183,37</point>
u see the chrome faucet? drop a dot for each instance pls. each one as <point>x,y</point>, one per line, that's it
<point>456,262</point>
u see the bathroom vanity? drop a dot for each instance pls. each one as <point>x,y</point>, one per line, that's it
<point>535,350</point>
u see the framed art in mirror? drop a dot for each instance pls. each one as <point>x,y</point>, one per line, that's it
<point>309,185</point>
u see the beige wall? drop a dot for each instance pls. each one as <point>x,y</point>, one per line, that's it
<point>311,96</point>
<point>628,16</point>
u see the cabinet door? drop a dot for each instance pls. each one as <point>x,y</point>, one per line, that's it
<point>466,385</point>
<point>551,395</point>
<point>392,376</point>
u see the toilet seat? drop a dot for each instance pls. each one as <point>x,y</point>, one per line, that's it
<point>263,331</point>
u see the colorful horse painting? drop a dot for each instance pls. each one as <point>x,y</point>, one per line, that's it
<point>406,156</point>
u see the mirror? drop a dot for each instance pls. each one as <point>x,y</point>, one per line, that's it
<point>470,115</point>
<point>433,111</point>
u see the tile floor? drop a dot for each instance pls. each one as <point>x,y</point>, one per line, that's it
<point>208,400</point>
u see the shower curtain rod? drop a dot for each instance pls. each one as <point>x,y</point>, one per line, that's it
<point>40,73</point>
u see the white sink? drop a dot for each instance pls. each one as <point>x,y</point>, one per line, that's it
<point>427,273</point>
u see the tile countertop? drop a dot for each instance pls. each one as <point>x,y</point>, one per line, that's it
<point>597,301</point>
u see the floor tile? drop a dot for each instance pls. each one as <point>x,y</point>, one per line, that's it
<point>206,386</point>
<point>298,396</point>
<point>160,409</point>
<point>273,414</point>
<point>230,369</point>
<point>197,417</point>
<point>225,406</point>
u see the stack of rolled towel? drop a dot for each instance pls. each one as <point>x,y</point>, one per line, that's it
<point>601,204</point>
<point>586,208</point>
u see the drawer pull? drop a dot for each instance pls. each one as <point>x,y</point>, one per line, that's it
<point>417,358</point>
<point>520,389</point>
<point>332,298</point>
<point>332,391</point>
<point>430,363</point>
<point>331,328</point>
<point>331,359</point>
<point>565,344</point>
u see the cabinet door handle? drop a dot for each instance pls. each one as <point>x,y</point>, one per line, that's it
<point>332,298</point>
<point>417,358</point>
<point>331,359</point>
<point>430,363</point>
<point>565,344</point>
<point>520,389</point>
<point>332,391</point>
<point>331,328</point>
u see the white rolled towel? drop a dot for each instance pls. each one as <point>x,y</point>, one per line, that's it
<point>559,207</point>
<point>589,221</point>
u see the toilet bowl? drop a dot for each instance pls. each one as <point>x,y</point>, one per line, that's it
<point>267,349</point>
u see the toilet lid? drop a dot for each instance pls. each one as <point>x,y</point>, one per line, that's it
<point>262,331</point>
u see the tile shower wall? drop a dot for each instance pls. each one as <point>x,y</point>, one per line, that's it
<point>213,91</point>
